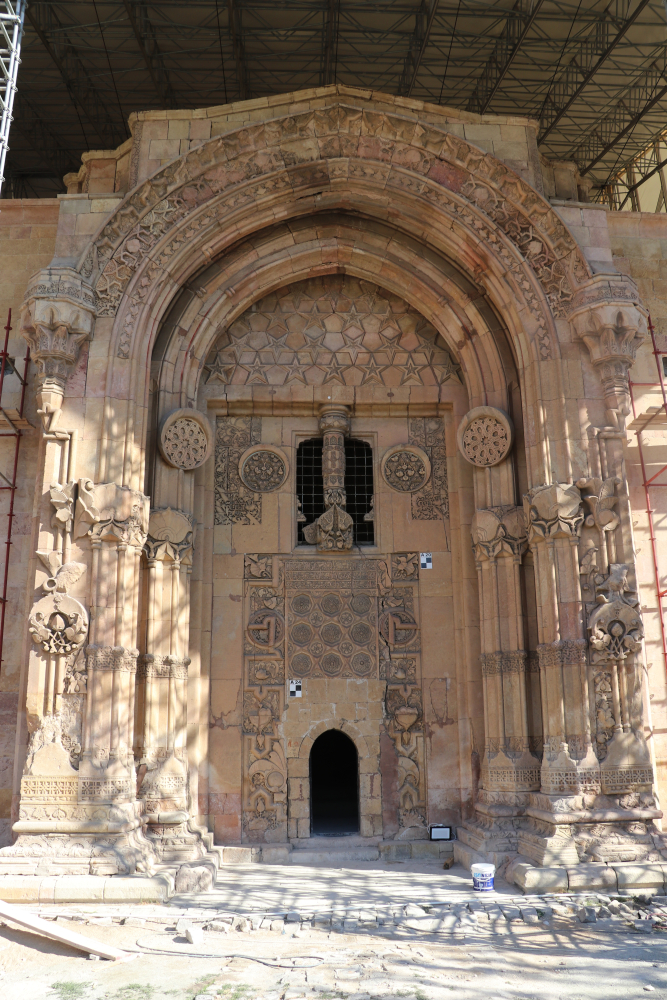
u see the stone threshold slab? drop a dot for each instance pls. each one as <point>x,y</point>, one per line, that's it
<point>87,888</point>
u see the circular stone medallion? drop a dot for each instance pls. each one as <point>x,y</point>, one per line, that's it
<point>361,604</point>
<point>331,664</point>
<point>361,633</point>
<point>362,664</point>
<point>331,604</point>
<point>317,648</point>
<point>346,619</point>
<point>301,604</point>
<point>263,468</point>
<point>301,664</point>
<point>301,634</point>
<point>185,439</point>
<point>331,633</point>
<point>485,436</point>
<point>406,468</point>
<point>346,648</point>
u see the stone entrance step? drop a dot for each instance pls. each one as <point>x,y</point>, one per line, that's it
<point>336,857</point>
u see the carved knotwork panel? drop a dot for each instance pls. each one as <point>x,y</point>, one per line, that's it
<point>234,502</point>
<point>431,503</point>
<point>332,617</point>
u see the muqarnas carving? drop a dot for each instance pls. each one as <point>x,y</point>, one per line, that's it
<point>322,331</point>
<point>234,502</point>
<point>432,502</point>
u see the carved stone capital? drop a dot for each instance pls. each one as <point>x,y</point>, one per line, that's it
<point>335,418</point>
<point>57,317</point>
<point>498,530</point>
<point>107,512</point>
<point>553,511</point>
<point>170,536</point>
<point>611,322</point>
<point>511,662</point>
<point>112,658</point>
<point>151,665</point>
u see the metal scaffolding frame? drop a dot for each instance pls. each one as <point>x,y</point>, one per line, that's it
<point>11,32</point>
<point>593,73</point>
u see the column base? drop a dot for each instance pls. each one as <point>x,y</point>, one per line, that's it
<point>174,844</point>
<point>73,853</point>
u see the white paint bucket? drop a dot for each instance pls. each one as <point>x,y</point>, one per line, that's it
<point>482,877</point>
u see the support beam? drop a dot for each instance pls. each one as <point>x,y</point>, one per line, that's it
<point>146,36</point>
<point>431,18</point>
<point>331,24</point>
<point>42,140</point>
<point>237,44</point>
<point>502,57</point>
<point>627,24</point>
<point>415,47</point>
<point>634,121</point>
<point>43,21</point>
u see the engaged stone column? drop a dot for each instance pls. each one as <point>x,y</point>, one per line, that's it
<point>333,530</point>
<point>499,541</point>
<point>554,517</point>
<point>163,675</point>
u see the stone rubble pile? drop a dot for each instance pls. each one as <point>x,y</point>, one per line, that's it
<point>492,912</point>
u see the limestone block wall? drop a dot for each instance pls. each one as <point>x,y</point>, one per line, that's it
<point>27,240</point>
<point>639,246</point>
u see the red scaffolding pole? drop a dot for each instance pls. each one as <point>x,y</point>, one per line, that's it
<point>15,422</point>
<point>655,416</point>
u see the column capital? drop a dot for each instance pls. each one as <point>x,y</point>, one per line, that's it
<point>170,536</point>
<point>609,318</point>
<point>57,317</point>
<point>553,511</point>
<point>498,531</point>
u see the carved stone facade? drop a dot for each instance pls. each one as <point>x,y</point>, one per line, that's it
<point>204,603</point>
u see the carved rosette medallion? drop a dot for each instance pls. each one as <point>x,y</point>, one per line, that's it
<point>185,439</point>
<point>263,469</point>
<point>485,436</point>
<point>406,468</point>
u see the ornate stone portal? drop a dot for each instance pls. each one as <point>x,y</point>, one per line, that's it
<point>183,651</point>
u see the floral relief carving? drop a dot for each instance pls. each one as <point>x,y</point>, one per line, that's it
<point>263,469</point>
<point>485,436</point>
<point>406,469</point>
<point>185,439</point>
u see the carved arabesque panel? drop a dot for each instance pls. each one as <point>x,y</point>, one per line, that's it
<point>432,502</point>
<point>234,502</point>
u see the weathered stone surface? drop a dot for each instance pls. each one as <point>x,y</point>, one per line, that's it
<point>189,648</point>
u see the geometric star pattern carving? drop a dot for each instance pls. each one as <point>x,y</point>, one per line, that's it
<point>332,329</point>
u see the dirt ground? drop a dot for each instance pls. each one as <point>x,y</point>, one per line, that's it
<point>527,963</point>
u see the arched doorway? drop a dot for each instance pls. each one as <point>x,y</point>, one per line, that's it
<point>334,785</point>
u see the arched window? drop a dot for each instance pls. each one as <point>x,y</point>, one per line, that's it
<point>358,486</point>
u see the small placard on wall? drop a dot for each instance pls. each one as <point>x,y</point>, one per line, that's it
<point>295,689</point>
<point>425,560</point>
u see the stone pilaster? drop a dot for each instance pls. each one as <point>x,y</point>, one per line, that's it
<point>163,678</point>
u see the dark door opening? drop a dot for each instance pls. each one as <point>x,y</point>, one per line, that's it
<point>334,785</point>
